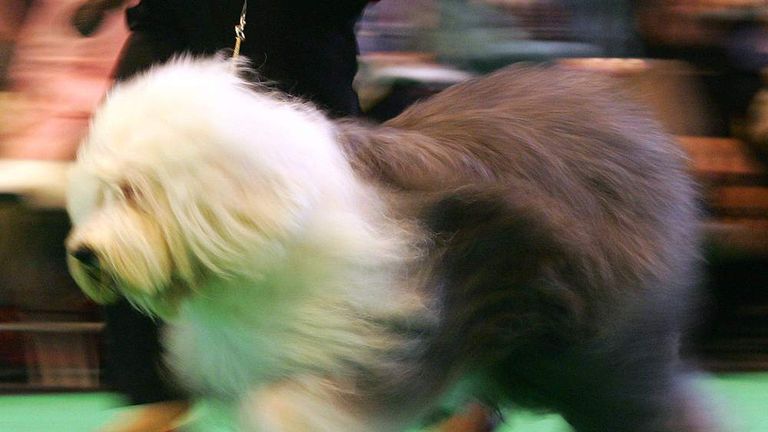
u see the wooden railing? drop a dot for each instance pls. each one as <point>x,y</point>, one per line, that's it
<point>735,192</point>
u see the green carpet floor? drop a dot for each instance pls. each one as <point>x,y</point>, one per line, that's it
<point>742,400</point>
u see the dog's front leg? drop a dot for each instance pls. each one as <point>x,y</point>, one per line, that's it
<point>307,404</point>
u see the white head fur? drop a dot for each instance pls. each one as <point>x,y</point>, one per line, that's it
<point>195,185</point>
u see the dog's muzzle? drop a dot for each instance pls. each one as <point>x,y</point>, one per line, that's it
<point>85,267</point>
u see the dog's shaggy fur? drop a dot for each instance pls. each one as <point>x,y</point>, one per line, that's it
<point>528,237</point>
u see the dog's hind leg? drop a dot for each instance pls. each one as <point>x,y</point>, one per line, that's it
<point>634,402</point>
<point>619,389</point>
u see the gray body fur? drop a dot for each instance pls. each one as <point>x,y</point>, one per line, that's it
<point>565,245</point>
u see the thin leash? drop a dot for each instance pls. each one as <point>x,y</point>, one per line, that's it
<point>240,32</point>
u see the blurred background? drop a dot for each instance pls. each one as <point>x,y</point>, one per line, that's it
<point>700,64</point>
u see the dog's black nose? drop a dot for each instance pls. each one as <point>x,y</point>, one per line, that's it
<point>86,256</point>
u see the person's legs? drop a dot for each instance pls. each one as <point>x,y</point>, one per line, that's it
<point>134,356</point>
<point>141,51</point>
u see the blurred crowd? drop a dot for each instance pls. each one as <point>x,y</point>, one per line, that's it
<point>51,77</point>
<point>703,58</point>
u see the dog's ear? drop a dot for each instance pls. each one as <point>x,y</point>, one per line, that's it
<point>233,223</point>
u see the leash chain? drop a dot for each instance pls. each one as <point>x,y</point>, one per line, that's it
<point>240,31</point>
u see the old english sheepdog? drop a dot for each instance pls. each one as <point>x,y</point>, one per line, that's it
<point>528,237</point>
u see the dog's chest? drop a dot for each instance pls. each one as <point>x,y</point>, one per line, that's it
<point>213,354</point>
<point>232,350</point>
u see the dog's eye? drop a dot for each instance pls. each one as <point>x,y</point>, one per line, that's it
<point>128,192</point>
